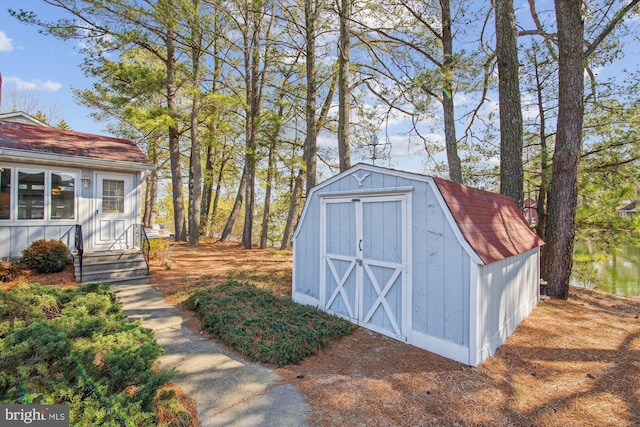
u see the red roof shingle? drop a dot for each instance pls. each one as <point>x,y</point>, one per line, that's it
<point>42,139</point>
<point>492,223</point>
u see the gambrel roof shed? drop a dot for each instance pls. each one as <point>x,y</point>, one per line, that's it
<point>443,266</point>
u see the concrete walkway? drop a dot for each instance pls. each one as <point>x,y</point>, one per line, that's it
<point>228,391</point>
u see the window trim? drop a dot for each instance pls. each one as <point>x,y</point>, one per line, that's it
<point>48,171</point>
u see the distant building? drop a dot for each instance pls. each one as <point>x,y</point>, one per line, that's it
<point>628,210</point>
<point>20,117</point>
<point>530,210</point>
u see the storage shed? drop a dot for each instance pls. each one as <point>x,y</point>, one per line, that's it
<point>442,266</point>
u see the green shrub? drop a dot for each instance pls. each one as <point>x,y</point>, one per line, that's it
<point>262,326</point>
<point>46,256</point>
<point>159,249</point>
<point>76,347</point>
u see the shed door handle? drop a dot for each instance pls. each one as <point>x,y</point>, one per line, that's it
<point>360,245</point>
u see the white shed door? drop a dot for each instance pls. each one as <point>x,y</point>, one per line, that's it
<point>364,261</point>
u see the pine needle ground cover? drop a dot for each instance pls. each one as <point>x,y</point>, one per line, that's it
<point>74,346</point>
<point>570,363</point>
<point>263,327</point>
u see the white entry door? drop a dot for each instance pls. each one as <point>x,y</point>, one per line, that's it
<point>364,261</point>
<point>113,216</point>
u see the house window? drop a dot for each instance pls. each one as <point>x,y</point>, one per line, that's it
<point>62,195</point>
<point>30,195</point>
<point>112,196</point>
<point>5,193</point>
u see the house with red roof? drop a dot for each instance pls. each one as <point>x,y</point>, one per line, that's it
<point>79,188</point>
<point>439,265</point>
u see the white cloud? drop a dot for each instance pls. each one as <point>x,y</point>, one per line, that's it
<point>20,84</point>
<point>50,86</point>
<point>6,44</point>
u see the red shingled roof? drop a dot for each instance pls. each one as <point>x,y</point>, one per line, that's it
<point>492,223</point>
<point>42,139</point>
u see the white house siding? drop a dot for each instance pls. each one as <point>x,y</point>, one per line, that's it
<point>508,290</point>
<point>15,239</point>
<point>17,235</point>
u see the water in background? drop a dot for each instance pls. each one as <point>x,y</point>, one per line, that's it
<point>615,270</point>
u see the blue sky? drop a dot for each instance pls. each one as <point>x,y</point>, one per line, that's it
<point>44,69</point>
<point>41,68</point>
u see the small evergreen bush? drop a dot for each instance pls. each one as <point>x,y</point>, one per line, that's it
<point>262,326</point>
<point>76,347</point>
<point>46,256</point>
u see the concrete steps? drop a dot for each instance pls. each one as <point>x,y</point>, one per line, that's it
<point>126,266</point>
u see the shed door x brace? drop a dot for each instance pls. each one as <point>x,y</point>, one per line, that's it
<point>364,258</point>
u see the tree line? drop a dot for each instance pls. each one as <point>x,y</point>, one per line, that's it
<point>243,105</point>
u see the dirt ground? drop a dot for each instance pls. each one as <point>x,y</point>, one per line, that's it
<point>570,363</point>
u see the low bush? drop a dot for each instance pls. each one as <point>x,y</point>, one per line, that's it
<point>159,248</point>
<point>76,347</point>
<point>46,256</point>
<point>263,327</point>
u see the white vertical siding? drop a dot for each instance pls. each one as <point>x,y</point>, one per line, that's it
<point>17,238</point>
<point>508,290</point>
<point>18,235</point>
<point>440,297</point>
<point>306,253</point>
<point>457,307</point>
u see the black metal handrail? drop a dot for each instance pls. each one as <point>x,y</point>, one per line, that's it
<point>143,243</point>
<point>79,247</point>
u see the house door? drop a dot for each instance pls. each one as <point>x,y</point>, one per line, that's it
<point>113,212</point>
<point>364,261</point>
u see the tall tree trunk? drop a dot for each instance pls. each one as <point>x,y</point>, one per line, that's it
<point>237,207</point>
<point>195,161</point>
<point>541,211</point>
<point>151,190</point>
<point>255,55</point>
<point>344,90</point>
<point>310,107</point>
<point>453,159</point>
<point>558,251</point>
<point>195,176</point>
<point>150,197</point>
<point>207,189</point>
<point>297,201</point>
<point>264,234</point>
<point>250,192</point>
<point>251,114</point>
<point>209,172</point>
<point>174,141</point>
<point>294,210</point>
<point>216,197</point>
<point>511,169</point>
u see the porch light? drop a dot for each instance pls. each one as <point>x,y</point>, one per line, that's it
<point>85,181</point>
